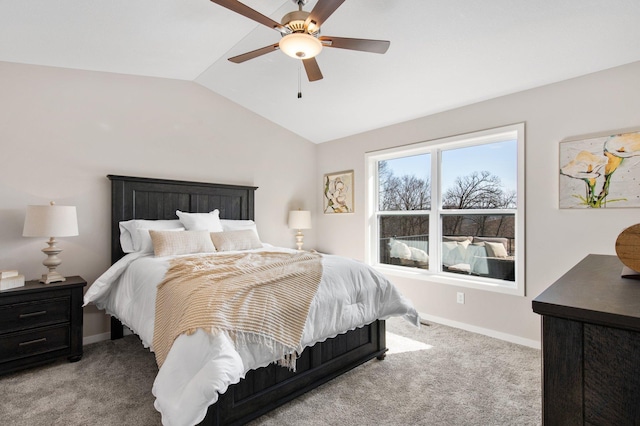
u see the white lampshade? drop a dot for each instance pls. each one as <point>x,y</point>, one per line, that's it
<point>300,219</point>
<point>300,45</point>
<point>50,221</point>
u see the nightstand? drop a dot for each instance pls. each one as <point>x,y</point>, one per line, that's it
<point>40,323</point>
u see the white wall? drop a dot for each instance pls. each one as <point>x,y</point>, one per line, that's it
<point>555,239</point>
<point>62,131</point>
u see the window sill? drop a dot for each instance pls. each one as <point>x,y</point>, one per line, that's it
<point>486,284</point>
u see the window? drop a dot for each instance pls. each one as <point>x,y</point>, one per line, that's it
<point>450,210</point>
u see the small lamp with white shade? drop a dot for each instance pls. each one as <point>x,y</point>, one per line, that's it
<point>299,219</point>
<point>51,221</point>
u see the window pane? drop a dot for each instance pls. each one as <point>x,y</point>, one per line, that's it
<point>404,183</point>
<point>404,240</point>
<point>479,245</point>
<point>480,177</point>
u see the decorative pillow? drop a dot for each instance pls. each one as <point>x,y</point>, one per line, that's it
<point>235,240</point>
<point>399,249</point>
<point>167,243</point>
<point>495,249</point>
<point>201,221</point>
<point>237,225</point>
<point>144,237</point>
<point>456,238</point>
<point>133,241</point>
<point>502,240</point>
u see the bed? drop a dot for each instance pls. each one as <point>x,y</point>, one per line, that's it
<point>265,388</point>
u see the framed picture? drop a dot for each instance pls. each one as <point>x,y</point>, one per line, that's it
<point>599,172</point>
<point>338,192</point>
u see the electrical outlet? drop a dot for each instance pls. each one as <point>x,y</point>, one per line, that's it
<point>460,297</point>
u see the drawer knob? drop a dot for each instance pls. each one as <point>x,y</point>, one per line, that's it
<point>31,342</point>
<point>32,314</point>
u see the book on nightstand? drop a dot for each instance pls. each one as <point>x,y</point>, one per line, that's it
<point>10,279</point>
<point>6,273</point>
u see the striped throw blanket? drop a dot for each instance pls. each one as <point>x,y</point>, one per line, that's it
<point>260,297</point>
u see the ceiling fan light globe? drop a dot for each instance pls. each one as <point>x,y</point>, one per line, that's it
<point>300,45</point>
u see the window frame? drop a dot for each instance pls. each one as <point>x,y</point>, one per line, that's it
<point>435,147</point>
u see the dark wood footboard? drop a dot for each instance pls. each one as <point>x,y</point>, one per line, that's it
<point>269,387</point>
<point>266,388</point>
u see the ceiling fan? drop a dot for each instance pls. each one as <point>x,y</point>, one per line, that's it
<point>300,32</point>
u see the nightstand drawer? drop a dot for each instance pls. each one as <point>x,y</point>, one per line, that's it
<point>35,342</point>
<point>22,316</point>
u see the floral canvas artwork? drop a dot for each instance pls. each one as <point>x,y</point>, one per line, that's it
<point>600,172</point>
<point>338,192</point>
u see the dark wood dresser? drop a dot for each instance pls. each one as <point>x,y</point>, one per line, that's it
<point>591,346</point>
<point>40,323</point>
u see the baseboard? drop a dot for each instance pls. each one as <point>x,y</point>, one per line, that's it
<point>87,340</point>
<point>485,331</point>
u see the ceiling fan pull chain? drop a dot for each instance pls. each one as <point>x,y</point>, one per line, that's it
<point>299,82</point>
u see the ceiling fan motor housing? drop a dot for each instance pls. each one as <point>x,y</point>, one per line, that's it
<point>295,21</point>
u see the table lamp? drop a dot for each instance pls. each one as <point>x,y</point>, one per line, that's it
<point>299,219</point>
<point>51,221</point>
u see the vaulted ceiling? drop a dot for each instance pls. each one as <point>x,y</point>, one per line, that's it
<point>444,54</point>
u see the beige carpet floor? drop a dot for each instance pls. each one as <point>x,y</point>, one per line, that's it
<point>434,375</point>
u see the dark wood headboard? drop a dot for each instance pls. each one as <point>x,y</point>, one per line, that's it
<point>146,198</point>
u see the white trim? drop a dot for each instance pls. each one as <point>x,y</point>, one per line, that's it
<point>87,340</point>
<point>535,344</point>
<point>460,280</point>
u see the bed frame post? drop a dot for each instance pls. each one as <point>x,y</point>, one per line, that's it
<point>382,339</point>
<point>117,330</point>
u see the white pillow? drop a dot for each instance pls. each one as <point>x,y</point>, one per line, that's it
<point>201,221</point>
<point>495,249</point>
<point>167,243</point>
<point>239,225</point>
<point>132,241</point>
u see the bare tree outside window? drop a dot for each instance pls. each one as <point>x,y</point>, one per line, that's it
<point>403,193</point>
<point>478,190</point>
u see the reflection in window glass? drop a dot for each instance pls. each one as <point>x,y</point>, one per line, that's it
<point>404,240</point>
<point>479,245</point>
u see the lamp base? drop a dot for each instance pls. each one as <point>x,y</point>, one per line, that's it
<point>52,277</point>
<point>52,262</point>
<point>299,239</point>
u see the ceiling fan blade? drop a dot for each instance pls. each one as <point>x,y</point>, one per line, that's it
<point>312,69</point>
<point>364,45</point>
<point>247,12</point>
<point>254,53</point>
<point>322,10</point>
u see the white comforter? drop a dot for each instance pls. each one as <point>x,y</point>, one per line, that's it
<point>201,365</point>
